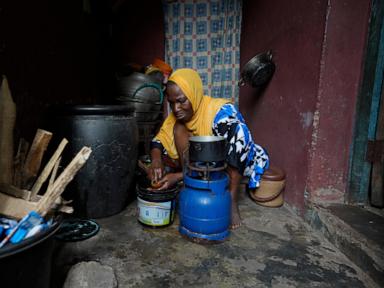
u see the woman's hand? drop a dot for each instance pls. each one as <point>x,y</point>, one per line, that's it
<point>169,180</point>
<point>156,171</point>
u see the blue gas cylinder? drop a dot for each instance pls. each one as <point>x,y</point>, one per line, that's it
<point>205,207</point>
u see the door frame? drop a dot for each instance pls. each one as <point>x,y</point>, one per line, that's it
<point>367,108</point>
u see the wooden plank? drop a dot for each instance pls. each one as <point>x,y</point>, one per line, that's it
<point>62,181</point>
<point>48,168</point>
<point>14,207</point>
<point>14,191</point>
<point>7,124</point>
<point>54,173</point>
<point>34,157</point>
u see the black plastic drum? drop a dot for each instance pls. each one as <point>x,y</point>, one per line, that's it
<point>102,186</point>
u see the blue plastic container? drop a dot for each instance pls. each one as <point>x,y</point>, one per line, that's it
<point>205,207</point>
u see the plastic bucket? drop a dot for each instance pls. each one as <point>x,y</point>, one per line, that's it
<point>156,208</point>
<point>28,263</point>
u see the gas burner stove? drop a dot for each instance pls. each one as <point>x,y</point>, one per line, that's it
<point>207,166</point>
<point>202,170</point>
<point>205,202</point>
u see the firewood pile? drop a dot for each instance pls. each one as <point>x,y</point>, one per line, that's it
<point>25,184</point>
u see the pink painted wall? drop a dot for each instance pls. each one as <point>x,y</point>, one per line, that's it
<point>339,85</point>
<point>318,50</point>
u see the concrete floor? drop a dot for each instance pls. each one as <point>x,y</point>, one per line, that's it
<point>273,248</point>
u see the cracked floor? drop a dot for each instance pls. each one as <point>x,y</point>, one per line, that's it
<point>273,248</point>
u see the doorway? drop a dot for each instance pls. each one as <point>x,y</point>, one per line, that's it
<point>366,169</point>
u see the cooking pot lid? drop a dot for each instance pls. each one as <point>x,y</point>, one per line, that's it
<point>92,109</point>
<point>206,138</point>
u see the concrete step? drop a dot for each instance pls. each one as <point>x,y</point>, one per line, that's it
<point>356,232</point>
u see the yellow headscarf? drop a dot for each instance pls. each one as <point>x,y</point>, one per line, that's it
<point>204,108</point>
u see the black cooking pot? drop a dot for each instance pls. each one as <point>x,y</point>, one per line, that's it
<point>207,148</point>
<point>258,70</point>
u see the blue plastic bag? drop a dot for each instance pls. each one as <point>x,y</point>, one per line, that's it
<point>25,225</point>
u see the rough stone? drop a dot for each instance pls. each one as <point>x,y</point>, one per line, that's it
<point>90,275</point>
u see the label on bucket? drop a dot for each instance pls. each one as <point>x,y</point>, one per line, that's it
<point>155,214</point>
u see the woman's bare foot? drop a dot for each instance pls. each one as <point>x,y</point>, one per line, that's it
<point>235,217</point>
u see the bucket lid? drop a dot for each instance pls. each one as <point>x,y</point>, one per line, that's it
<point>273,173</point>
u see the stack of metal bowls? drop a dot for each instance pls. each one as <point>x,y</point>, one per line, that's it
<point>143,93</point>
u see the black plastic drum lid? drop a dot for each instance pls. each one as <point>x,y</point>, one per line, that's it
<point>73,230</point>
<point>91,110</point>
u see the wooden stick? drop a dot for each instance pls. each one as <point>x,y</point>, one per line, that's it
<point>48,168</point>
<point>66,209</point>
<point>34,157</point>
<point>62,181</point>
<point>54,173</point>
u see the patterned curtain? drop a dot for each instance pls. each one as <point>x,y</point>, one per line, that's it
<point>205,35</point>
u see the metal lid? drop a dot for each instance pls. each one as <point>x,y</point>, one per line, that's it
<point>92,109</point>
<point>206,138</point>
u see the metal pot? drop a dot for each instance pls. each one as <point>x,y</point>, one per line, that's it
<point>258,70</point>
<point>140,107</point>
<point>141,87</point>
<point>207,148</point>
<point>146,116</point>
